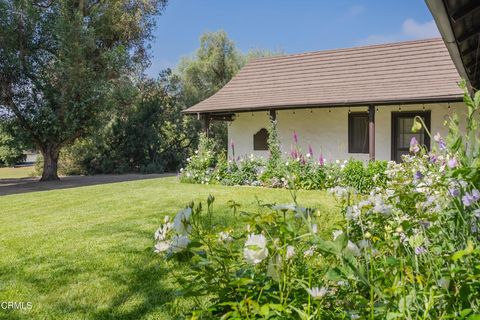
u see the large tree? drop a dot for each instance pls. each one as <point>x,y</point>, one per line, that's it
<point>60,60</point>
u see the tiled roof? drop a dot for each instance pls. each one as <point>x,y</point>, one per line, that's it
<point>404,72</point>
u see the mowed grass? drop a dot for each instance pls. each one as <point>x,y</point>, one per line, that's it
<point>14,173</point>
<point>86,253</point>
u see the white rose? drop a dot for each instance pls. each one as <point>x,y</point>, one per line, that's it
<point>181,223</point>
<point>255,249</point>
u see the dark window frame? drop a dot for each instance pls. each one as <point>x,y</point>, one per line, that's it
<point>427,115</point>
<point>260,145</point>
<point>351,147</point>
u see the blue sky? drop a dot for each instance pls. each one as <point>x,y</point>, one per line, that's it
<point>291,26</point>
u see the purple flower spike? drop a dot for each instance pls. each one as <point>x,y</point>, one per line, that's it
<point>310,150</point>
<point>420,250</point>
<point>454,192</point>
<point>470,198</point>
<point>432,158</point>
<point>232,145</point>
<point>321,161</point>
<point>475,195</point>
<point>414,147</point>
<point>295,137</point>
<point>452,163</point>
<point>418,175</point>
<point>441,142</point>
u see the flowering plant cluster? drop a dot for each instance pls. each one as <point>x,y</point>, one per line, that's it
<point>303,170</point>
<point>409,248</point>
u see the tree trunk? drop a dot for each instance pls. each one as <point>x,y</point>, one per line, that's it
<point>50,164</point>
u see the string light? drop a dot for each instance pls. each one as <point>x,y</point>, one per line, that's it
<point>399,108</point>
<point>424,107</point>
<point>449,106</point>
<point>329,109</point>
<point>311,111</point>
<point>293,112</point>
<point>377,108</point>
<point>349,110</point>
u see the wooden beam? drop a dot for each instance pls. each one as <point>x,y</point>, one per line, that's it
<point>206,124</point>
<point>371,132</point>
<point>464,11</point>
<point>273,115</point>
<point>468,34</point>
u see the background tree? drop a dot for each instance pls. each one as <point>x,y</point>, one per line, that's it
<point>215,63</point>
<point>12,143</point>
<point>60,60</point>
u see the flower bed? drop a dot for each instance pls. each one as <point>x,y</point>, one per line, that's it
<point>409,250</point>
<point>298,170</point>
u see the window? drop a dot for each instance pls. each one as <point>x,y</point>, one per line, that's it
<point>260,140</point>
<point>358,132</point>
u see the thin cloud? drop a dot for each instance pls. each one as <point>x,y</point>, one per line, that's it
<point>410,30</point>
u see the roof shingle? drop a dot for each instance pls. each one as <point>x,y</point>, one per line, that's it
<point>404,72</point>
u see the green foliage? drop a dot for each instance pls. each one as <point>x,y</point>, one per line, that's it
<point>11,148</point>
<point>202,163</point>
<point>364,177</point>
<point>60,62</point>
<point>410,249</point>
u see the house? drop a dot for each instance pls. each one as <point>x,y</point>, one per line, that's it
<point>347,103</point>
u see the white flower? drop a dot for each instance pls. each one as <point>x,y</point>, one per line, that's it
<point>314,228</point>
<point>162,232</point>
<point>181,223</point>
<point>352,213</point>
<point>290,252</point>
<point>336,234</point>
<point>162,246</point>
<point>353,249</point>
<point>309,252</point>
<point>317,293</point>
<point>179,243</point>
<point>255,249</point>
<point>224,236</point>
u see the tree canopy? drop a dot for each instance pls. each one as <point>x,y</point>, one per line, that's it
<point>60,60</point>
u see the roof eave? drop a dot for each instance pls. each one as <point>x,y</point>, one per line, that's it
<point>426,100</point>
<point>440,15</point>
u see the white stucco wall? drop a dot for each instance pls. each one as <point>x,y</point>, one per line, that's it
<point>327,132</point>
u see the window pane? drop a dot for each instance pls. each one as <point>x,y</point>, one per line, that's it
<point>358,133</point>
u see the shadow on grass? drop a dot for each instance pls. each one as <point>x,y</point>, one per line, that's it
<point>25,185</point>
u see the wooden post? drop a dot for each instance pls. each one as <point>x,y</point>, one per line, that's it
<point>371,132</point>
<point>206,124</point>
<point>273,115</point>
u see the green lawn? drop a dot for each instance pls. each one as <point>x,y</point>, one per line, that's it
<point>11,173</point>
<point>86,253</point>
